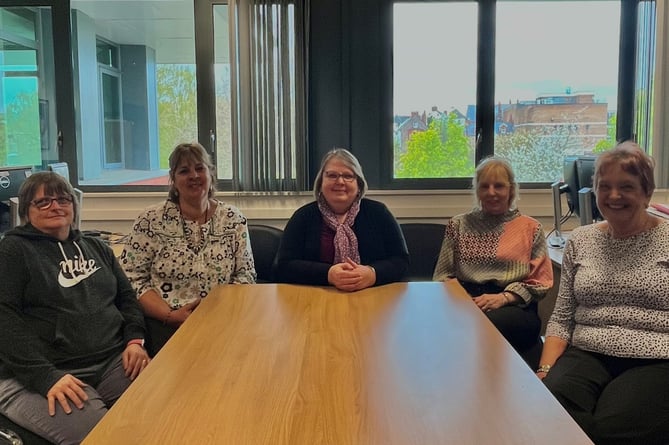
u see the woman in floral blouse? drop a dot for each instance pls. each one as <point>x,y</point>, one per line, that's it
<point>180,249</point>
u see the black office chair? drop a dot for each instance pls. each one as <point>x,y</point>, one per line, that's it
<point>424,243</point>
<point>265,242</point>
<point>9,429</point>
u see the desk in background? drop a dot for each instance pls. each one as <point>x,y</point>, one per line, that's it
<point>405,363</point>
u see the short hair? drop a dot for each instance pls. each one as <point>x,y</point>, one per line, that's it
<point>631,158</point>
<point>193,152</point>
<point>496,164</point>
<point>54,185</point>
<point>350,161</point>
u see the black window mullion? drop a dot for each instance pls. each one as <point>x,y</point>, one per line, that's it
<point>485,74</point>
<point>627,69</point>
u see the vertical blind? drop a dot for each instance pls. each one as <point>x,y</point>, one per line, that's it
<point>645,73</point>
<point>269,94</point>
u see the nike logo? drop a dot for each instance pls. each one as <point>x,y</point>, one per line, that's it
<point>72,272</point>
<point>69,282</point>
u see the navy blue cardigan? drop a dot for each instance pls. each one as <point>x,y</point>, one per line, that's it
<point>380,243</point>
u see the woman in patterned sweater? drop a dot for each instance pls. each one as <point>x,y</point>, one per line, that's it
<point>607,342</point>
<point>180,249</point>
<point>499,256</point>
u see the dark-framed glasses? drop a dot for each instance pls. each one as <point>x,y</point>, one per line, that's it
<point>46,202</point>
<point>333,176</point>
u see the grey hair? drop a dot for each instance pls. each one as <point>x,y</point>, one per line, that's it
<point>349,161</point>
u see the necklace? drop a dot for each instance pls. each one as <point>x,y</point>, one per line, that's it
<point>196,232</point>
<point>201,218</point>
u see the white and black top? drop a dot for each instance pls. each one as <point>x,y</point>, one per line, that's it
<point>182,260</point>
<point>614,293</point>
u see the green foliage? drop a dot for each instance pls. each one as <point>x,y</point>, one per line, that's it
<point>177,107</point>
<point>610,141</point>
<point>21,124</point>
<point>433,155</point>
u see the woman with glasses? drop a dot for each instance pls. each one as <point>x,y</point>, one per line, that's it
<point>72,330</point>
<point>180,249</point>
<point>500,257</point>
<point>342,239</point>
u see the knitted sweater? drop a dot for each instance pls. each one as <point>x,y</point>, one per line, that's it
<point>508,251</point>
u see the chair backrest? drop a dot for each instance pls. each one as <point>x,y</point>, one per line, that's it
<point>424,243</point>
<point>265,242</point>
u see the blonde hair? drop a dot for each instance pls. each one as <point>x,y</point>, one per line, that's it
<point>496,164</point>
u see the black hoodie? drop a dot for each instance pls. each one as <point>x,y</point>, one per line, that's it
<point>63,305</point>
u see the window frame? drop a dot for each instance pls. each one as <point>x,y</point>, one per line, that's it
<point>485,94</point>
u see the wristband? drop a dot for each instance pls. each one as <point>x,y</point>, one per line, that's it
<point>136,341</point>
<point>508,297</point>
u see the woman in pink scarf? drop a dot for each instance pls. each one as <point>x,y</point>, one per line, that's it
<point>342,239</point>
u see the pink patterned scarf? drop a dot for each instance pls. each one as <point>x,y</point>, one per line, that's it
<point>345,241</point>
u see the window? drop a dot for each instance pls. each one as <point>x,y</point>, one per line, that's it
<point>143,77</point>
<point>419,91</point>
<point>25,102</point>
<point>545,85</point>
<point>434,89</point>
<point>548,85</point>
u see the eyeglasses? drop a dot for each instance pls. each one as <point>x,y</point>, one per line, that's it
<point>45,203</point>
<point>333,176</point>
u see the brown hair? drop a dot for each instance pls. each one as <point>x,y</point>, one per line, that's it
<point>54,185</point>
<point>631,159</point>
<point>193,152</point>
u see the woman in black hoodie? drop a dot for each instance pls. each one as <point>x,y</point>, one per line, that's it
<point>72,328</point>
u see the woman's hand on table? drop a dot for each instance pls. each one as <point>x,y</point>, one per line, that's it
<point>350,276</point>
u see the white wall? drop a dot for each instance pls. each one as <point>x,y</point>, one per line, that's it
<point>116,212</point>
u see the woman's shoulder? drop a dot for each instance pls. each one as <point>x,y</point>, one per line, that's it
<point>528,220</point>
<point>163,217</point>
<point>306,209</point>
<point>585,238</point>
<point>227,208</point>
<point>160,209</point>
<point>372,205</point>
<point>228,212</point>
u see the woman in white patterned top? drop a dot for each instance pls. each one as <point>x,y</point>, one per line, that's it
<point>180,249</point>
<point>606,356</point>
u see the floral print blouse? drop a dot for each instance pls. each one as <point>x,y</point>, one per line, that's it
<point>182,260</point>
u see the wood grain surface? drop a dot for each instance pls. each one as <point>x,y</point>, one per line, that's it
<point>405,363</point>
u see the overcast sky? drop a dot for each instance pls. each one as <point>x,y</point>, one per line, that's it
<point>542,48</point>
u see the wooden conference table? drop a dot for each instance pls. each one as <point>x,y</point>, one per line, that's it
<point>405,363</point>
